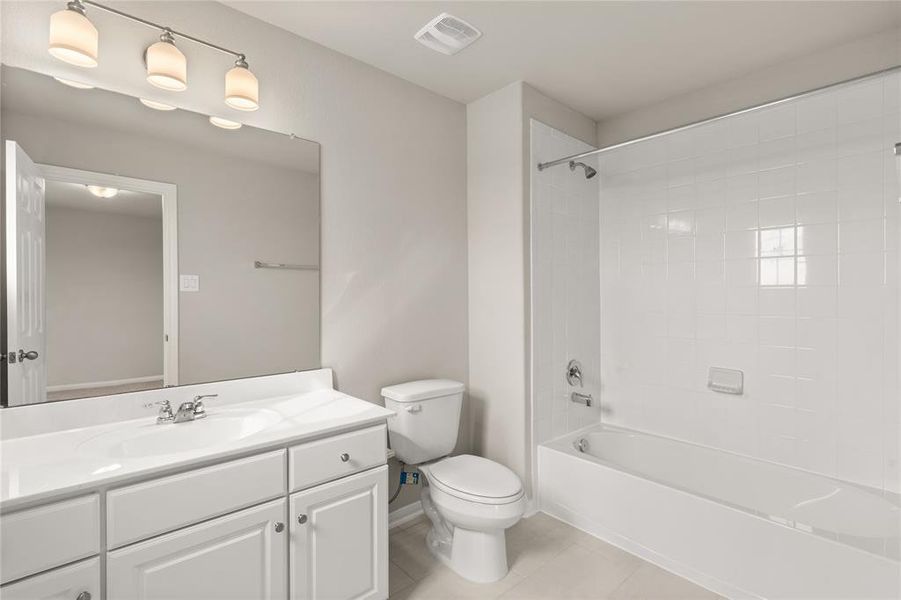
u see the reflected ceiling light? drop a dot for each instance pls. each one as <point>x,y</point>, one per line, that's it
<point>242,90</point>
<point>224,123</point>
<point>73,38</point>
<point>167,67</point>
<point>76,84</point>
<point>102,191</point>
<point>156,105</point>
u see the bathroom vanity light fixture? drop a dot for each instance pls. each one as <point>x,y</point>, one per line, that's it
<point>75,84</point>
<point>167,67</point>
<point>156,105</point>
<point>224,123</point>
<point>242,90</point>
<point>102,191</point>
<point>74,39</point>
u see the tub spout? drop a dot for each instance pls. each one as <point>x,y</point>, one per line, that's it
<point>578,398</point>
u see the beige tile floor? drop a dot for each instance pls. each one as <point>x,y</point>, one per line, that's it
<point>548,560</point>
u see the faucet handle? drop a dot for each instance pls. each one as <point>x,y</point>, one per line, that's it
<point>199,408</point>
<point>574,373</point>
<point>165,415</point>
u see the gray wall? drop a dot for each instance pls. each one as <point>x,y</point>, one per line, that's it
<point>394,283</point>
<point>393,176</point>
<point>243,321</point>
<point>104,296</point>
<point>499,165</point>
<point>828,66</point>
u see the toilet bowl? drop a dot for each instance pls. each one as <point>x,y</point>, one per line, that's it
<point>470,500</point>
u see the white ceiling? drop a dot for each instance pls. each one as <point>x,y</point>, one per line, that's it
<point>61,194</point>
<point>601,58</point>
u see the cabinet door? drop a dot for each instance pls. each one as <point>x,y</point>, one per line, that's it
<point>80,581</point>
<point>339,539</point>
<point>238,556</point>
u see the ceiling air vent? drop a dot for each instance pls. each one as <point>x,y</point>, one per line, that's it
<point>447,34</point>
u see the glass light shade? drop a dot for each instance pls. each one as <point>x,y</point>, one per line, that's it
<point>156,105</point>
<point>242,90</point>
<point>224,123</point>
<point>75,84</point>
<point>102,191</point>
<point>167,67</point>
<point>73,38</point>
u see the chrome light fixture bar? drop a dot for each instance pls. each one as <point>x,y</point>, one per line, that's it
<point>574,157</point>
<point>73,38</point>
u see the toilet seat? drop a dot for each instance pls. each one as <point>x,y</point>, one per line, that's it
<point>474,479</point>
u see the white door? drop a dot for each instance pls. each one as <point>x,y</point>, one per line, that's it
<point>339,539</point>
<point>239,556</point>
<point>26,331</point>
<point>80,581</point>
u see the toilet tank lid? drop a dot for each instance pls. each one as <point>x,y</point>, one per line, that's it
<point>424,389</point>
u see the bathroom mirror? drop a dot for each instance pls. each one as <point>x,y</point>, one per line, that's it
<point>145,248</point>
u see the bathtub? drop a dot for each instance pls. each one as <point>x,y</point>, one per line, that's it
<point>738,526</point>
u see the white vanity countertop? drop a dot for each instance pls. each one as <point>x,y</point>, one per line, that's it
<point>41,467</point>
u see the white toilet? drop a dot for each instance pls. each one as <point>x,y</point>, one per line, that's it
<point>469,499</point>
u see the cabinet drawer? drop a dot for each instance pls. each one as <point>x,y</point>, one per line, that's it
<point>81,580</point>
<point>146,509</point>
<point>336,456</point>
<point>41,538</point>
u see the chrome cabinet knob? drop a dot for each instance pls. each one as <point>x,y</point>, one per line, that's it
<point>83,596</point>
<point>279,527</point>
<point>302,519</point>
<point>345,457</point>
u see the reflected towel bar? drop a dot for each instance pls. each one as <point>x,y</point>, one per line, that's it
<point>258,264</point>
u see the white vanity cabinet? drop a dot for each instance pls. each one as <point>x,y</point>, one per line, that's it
<point>239,556</point>
<point>293,521</point>
<point>37,543</point>
<point>80,581</point>
<point>339,538</point>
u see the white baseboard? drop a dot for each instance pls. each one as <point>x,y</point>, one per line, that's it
<point>101,384</point>
<point>404,514</point>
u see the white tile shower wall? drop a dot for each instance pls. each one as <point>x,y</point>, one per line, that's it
<point>766,242</point>
<point>565,285</point>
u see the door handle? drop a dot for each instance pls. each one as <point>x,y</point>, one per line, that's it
<point>30,355</point>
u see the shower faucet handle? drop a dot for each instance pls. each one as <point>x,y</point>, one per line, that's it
<point>574,373</point>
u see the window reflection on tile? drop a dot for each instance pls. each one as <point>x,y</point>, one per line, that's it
<point>779,241</point>
<point>777,271</point>
<point>778,257</point>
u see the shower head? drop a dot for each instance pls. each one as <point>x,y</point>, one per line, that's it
<point>589,172</point>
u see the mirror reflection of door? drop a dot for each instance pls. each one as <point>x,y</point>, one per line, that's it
<point>25,354</point>
<point>90,269</point>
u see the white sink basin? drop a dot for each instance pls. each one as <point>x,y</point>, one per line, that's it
<point>223,427</point>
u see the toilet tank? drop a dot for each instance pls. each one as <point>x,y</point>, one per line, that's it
<point>427,421</point>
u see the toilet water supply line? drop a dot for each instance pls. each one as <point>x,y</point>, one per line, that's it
<point>401,480</point>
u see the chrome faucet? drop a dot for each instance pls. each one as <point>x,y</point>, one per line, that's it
<point>199,409</point>
<point>574,373</point>
<point>578,398</point>
<point>165,415</point>
<point>187,411</point>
